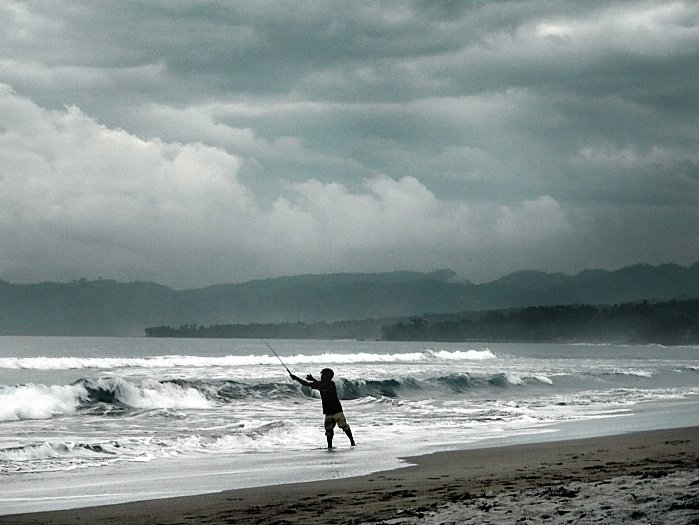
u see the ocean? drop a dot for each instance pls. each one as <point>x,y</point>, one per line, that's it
<point>89,421</point>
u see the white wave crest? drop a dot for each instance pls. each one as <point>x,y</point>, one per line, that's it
<point>39,401</point>
<point>266,438</point>
<point>636,373</point>
<point>189,361</point>
<point>166,395</point>
<point>514,379</point>
<point>544,379</point>
<point>47,450</point>
<point>468,355</point>
<point>152,394</point>
<point>46,401</point>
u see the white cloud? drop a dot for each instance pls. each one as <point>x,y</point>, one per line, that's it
<point>634,157</point>
<point>531,221</point>
<point>67,177</point>
<point>65,164</point>
<point>387,213</point>
<point>101,201</point>
<point>637,28</point>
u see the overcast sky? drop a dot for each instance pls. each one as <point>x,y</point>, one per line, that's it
<point>198,142</point>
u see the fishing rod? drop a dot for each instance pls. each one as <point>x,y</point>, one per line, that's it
<point>275,353</point>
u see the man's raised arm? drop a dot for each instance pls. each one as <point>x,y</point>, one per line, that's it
<point>303,382</point>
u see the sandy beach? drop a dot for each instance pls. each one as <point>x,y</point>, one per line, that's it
<point>642,477</point>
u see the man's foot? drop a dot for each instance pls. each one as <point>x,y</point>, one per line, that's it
<point>348,431</point>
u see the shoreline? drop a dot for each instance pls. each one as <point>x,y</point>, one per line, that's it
<point>471,483</point>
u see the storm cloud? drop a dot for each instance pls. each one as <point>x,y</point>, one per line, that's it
<point>198,142</point>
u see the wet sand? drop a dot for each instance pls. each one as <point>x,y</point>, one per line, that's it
<point>642,477</point>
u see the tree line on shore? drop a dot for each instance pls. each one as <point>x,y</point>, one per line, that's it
<point>362,329</point>
<point>672,323</point>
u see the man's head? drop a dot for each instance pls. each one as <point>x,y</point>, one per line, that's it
<point>326,373</point>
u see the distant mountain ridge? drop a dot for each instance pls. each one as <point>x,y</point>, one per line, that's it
<point>110,308</point>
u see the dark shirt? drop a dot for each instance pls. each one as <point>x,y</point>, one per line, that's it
<point>328,393</point>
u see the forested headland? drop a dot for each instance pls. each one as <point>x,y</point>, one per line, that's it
<point>669,323</point>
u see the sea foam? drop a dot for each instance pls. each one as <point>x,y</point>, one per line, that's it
<point>190,361</point>
<point>39,401</point>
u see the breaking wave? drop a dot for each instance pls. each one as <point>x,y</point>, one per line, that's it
<point>114,395</point>
<point>107,394</point>
<point>190,361</point>
<point>45,401</point>
<point>39,401</point>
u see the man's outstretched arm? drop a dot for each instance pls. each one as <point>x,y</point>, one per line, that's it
<point>296,378</point>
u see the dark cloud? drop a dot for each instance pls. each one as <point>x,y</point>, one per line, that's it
<point>197,142</point>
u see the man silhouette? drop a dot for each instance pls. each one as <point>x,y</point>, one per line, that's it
<point>331,403</point>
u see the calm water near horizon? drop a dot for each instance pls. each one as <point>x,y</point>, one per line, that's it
<point>87,421</point>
